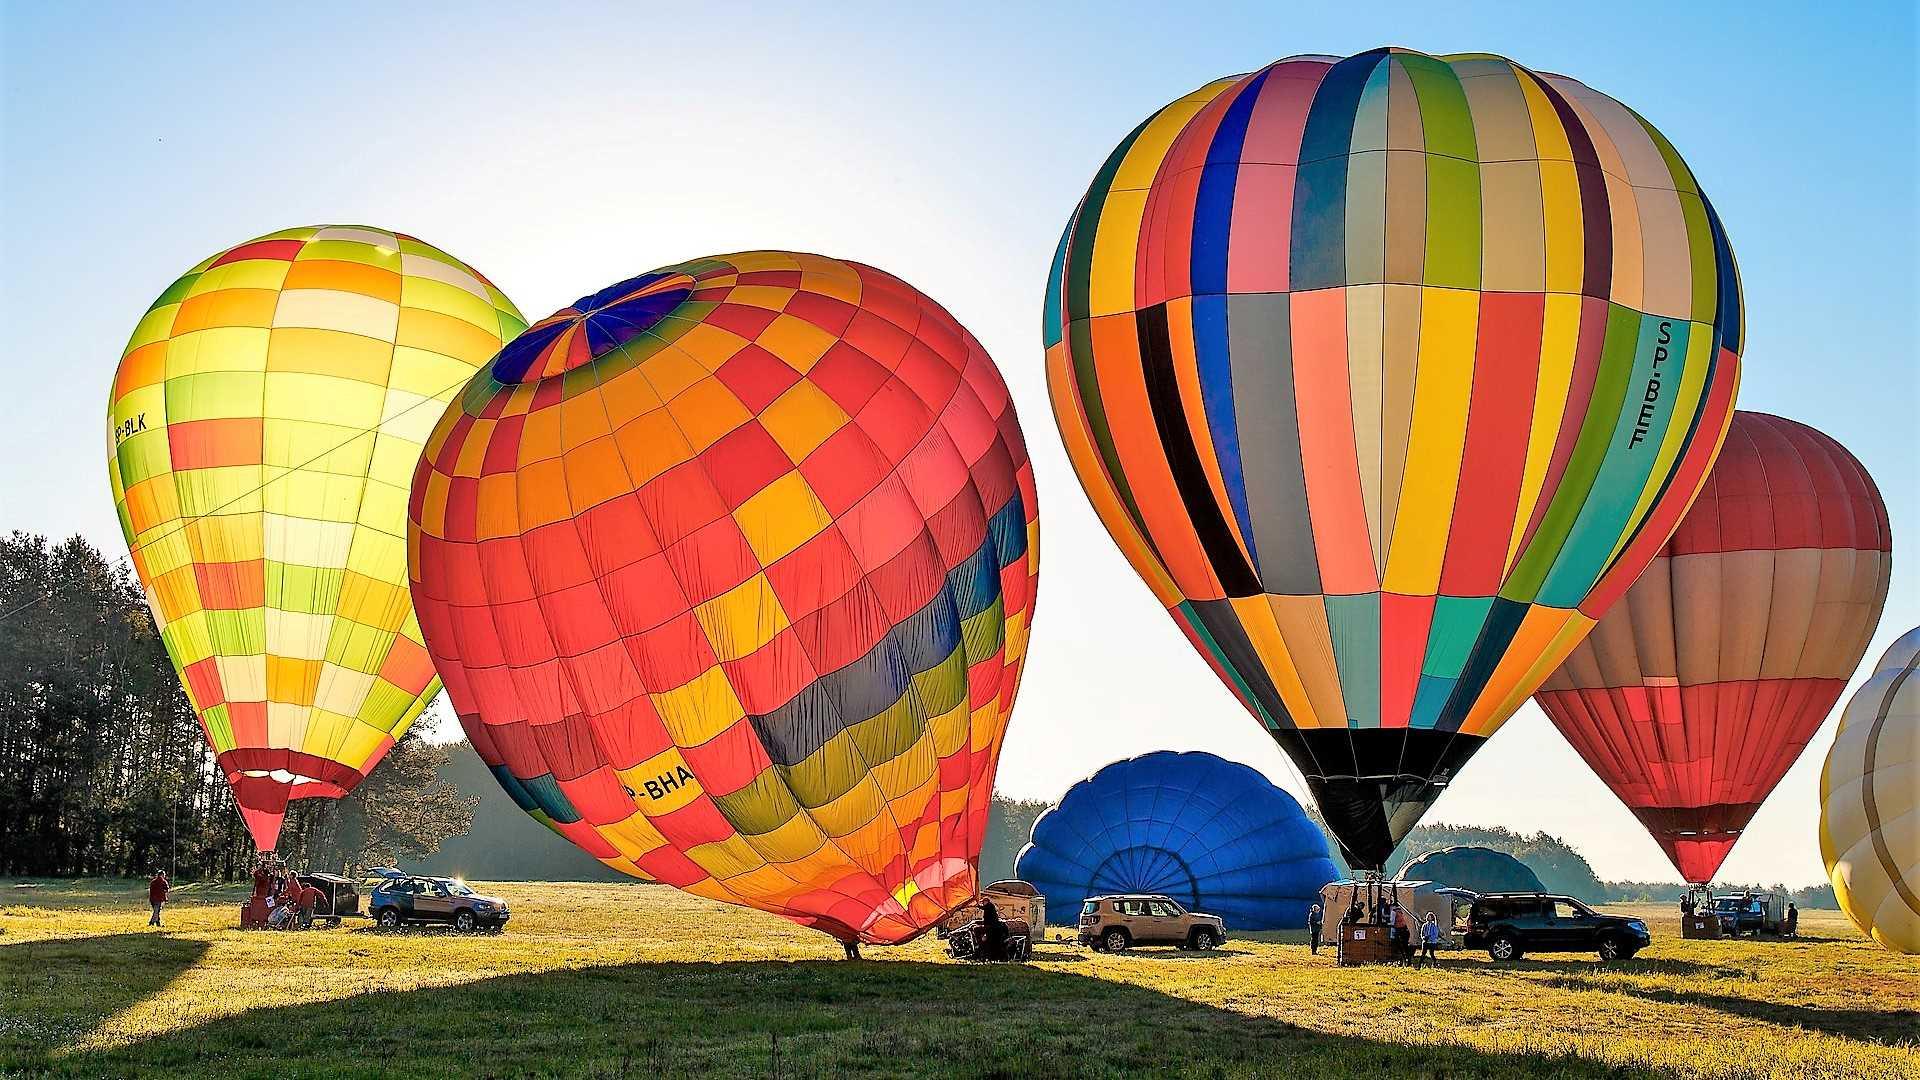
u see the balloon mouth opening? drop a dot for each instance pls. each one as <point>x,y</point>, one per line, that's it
<point>591,327</point>
<point>297,785</point>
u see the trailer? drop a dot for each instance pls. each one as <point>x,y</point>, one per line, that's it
<point>1016,900</point>
<point>339,897</point>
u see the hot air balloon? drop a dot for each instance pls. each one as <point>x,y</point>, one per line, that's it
<point>1696,693</point>
<point>1388,374</point>
<point>1213,834</point>
<point>728,568</point>
<point>264,424</point>
<point>1870,802</point>
<point>1476,869</point>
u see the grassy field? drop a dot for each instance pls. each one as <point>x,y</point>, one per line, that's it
<point>632,980</point>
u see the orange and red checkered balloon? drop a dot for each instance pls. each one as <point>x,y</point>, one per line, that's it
<point>263,426</point>
<point>729,571</point>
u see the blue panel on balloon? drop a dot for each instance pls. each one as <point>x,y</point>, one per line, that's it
<point>1213,834</point>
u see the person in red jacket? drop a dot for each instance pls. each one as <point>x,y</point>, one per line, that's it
<point>157,895</point>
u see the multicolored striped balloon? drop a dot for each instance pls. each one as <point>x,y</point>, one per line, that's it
<point>1697,693</point>
<point>264,425</point>
<point>1389,374</point>
<point>729,569</point>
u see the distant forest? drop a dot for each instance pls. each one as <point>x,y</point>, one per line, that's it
<point>104,769</point>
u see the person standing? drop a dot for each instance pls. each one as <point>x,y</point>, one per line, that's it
<point>1316,919</point>
<point>1793,919</point>
<point>1429,938</point>
<point>157,895</point>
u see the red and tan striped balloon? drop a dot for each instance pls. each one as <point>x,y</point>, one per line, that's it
<point>1695,694</point>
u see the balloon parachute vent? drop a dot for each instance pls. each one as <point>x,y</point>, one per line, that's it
<point>592,327</point>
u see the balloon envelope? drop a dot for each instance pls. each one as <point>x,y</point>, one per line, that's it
<point>1697,692</point>
<point>1213,834</point>
<point>1477,869</point>
<point>728,568</point>
<point>1388,374</point>
<point>1870,802</point>
<point>263,428</point>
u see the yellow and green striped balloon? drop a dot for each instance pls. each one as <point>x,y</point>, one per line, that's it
<point>263,428</point>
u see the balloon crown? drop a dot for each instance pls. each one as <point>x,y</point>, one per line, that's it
<point>591,327</point>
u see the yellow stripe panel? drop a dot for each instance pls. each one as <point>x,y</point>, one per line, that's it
<point>1559,337</point>
<point>1442,390</point>
<point>1258,618</point>
<point>1303,624</point>
<point>1111,278</point>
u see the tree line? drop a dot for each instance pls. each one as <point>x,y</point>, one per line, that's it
<point>104,769</point>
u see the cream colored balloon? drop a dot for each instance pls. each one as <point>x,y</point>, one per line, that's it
<point>1870,802</point>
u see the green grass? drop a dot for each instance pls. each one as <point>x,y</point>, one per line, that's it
<point>633,980</point>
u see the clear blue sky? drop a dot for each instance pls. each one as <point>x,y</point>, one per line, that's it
<point>561,150</point>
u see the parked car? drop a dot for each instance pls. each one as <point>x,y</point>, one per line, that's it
<point>1510,925</point>
<point>1751,913</point>
<point>399,900</point>
<point>1116,923</point>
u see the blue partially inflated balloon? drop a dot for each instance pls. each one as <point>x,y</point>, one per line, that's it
<point>1215,835</point>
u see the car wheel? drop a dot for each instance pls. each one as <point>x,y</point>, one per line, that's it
<point>388,918</point>
<point>1503,948</point>
<point>463,922</point>
<point>1203,939</point>
<point>1115,940</point>
<point>1611,949</point>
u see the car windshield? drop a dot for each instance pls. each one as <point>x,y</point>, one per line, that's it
<point>457,888</point>
<point>1089,907</point>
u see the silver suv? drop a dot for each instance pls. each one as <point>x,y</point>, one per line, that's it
<point>1115,923</point>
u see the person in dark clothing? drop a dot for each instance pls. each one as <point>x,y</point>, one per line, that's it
<point>1315,919</point>
<point>1793,919</point>
<point>1686,905</point>
<point>993,931</point>
<point>157,895</point>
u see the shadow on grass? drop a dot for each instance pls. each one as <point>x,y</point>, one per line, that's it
<point>1175,952</point>
<point>1889,1027</point>
<point>1593,965</point>
<point>786,1019</point>
<point>55,993</point>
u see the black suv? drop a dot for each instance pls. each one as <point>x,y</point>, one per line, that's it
<point>1510,925</point>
